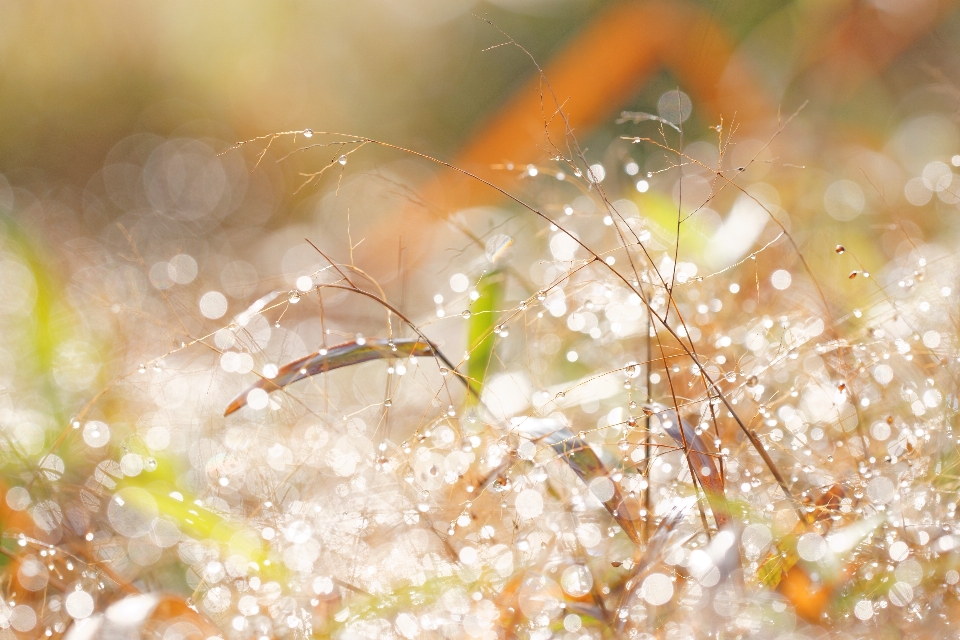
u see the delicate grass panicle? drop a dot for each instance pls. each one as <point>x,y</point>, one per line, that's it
<point>621,414</point>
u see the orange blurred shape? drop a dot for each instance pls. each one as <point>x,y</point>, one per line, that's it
<point>867,37</point>
<point>809,600</point>
<point>600,70</point>
<point>591,79</point>
<point>610,60</point>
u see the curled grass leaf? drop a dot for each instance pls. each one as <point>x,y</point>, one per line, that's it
<point>343,355</point>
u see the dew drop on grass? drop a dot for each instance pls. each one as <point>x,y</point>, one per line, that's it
<point>602,488</point>
<point>257,399</point>
<point>881,490</point>
<point>755,538</point>
<point>131,511</point>
<point>576,581</point>
<point>131,464</point>
<point>900,594</point>
<point>899,551</point>
<point>588,534</point>
<point>96,434</point>
<point>657,589</point>
<point>213,305</point>
<point>79,604</point>
<point>572,622</point>
<point>18,498</point>
<point>526,450</point>
<point>23,618</point>
<point>529,504</point>
<point>297,532</point>
<point>811,547</point>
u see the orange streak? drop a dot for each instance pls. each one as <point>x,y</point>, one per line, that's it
<point>601,69</point>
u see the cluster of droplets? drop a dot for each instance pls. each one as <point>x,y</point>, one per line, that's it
<point>569,493</point>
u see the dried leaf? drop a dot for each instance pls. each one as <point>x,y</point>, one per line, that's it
<point>655,548</point>
<point>703,463</point>
<point>580,456</point>
<point>783,556</point>
<point>636,117</point>
<point>342,355</point>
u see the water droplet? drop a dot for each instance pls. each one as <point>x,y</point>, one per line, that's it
<point>293,297</point>
<point>752,381</point>
<point>142,368</point>
<point>308,133</point>
<point>853,274</point>
<point>840,248</point>
<point>150,464</point>
<point>466,314</point>
<point>342,160</point>
<point>388,402</point>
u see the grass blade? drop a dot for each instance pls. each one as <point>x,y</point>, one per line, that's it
<point>337,357</point>
<point>483,320</point>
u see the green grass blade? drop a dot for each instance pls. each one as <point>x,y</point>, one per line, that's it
<point>484,318</point>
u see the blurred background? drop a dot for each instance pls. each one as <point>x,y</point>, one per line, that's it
<point>112,115</point>
<point>131,224</point>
